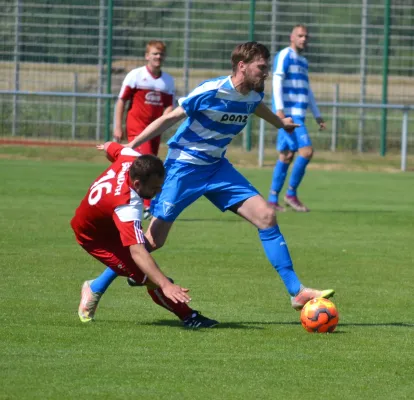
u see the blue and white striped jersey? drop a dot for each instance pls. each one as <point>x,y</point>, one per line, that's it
<point>216,113</point>
<point>291,90</point>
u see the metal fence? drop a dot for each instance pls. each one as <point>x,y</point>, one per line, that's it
<point>360,52</point>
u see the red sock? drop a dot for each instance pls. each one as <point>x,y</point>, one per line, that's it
<point>147,203</point>
<point>181,310</point>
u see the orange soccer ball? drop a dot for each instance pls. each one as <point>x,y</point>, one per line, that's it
<point>319,316</point>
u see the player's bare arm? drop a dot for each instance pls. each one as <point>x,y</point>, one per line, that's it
<point>119,113</point>
<point>168,110</point>
<point>147,265</point>
<point>280,114</point>
<point>159,126</point>
<point>265,113</point>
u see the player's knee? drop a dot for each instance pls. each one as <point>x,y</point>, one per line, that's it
<point>306,152</point>
<point>286,157</point>
<point>267,218</point>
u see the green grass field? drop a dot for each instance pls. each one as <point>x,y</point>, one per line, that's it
<point>358,239</point>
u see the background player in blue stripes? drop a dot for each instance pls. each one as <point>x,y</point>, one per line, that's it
<point>215,112</point>
<point>291,96</point>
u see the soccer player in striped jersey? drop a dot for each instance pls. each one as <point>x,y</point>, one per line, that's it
<point>291,96</point>
<point>214,113</point>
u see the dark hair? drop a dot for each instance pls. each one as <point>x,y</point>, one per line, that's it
<point>145,167</point>
<point>247,52</point>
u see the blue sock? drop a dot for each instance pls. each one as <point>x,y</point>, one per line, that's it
<point>277,253</point>
<point>279,176</point>
<point>102,282</point>
<point>298,172</point>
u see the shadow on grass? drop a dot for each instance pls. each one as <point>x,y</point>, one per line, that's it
<point>397,324</point>
<point>390,324</point>
<point>261,324</point>
<point>224,325</point>
<point>255,325</point>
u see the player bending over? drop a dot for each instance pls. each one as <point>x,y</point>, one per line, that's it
<point>107,224</point>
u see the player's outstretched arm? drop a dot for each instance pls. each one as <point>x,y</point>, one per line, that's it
<point>147,265</point>
<point>159,126</point>
<point>264,112</point>
<point>315,110</point>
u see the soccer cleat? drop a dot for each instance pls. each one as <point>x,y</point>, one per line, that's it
<point>89,302</point>
<point>276,206</point>
<point>307,294</point>
<point>295,203</point>
<point>133,283</point>
<point>147,213</point>
<point>196,321</point>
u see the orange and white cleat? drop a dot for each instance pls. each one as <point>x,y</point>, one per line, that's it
<point>89,302</point>
<point>307,294</point>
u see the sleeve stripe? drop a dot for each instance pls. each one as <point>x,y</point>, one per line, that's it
<point>138,232</point>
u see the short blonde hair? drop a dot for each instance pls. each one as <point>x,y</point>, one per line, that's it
<point>158,44</point>
<point>300,26</point>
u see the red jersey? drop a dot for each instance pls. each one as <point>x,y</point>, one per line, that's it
<point>149,97</point>
<point>111,210</point>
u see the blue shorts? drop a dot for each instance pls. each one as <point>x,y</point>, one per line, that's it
<point>296,140</point>
<point>184,183</point>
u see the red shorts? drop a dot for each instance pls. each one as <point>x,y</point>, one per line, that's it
<point>115,256</point>
<point>150,147</point>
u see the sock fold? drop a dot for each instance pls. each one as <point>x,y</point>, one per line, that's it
<point>102,282</point>
<point>278,180</point>
<point>277,253</point>
<point>298,172</point>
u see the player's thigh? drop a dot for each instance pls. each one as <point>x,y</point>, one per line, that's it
<point>117,257</point>
<point>294,140</point>
<point>184,184</point>
<point>257,211</point>
<point>286,141</point>
<point>228,187</point>
<point>302,137</point>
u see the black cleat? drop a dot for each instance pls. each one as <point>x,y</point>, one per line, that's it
<point>196,321</point>
<point>132,283</point>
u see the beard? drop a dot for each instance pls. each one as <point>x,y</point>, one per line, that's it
<point>259,87</point>
<point>252,84</point>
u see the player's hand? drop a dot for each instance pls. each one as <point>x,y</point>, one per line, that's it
<point>176,293</point>
<point>289,125</point>
<point>321,123</point>
<point>100,147</point>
